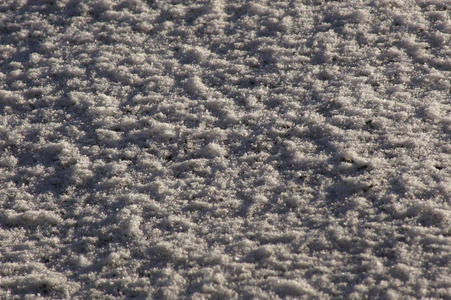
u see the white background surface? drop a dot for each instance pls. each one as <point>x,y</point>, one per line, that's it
<point>225,149</point>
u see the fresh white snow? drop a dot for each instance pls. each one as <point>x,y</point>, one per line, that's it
<point>225,149</point>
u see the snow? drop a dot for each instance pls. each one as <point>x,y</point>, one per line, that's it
<point>225,149</point>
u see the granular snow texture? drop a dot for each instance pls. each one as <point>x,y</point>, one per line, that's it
<point>225,149</point>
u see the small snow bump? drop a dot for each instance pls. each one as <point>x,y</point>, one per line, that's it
<point>163,249</point>
<point>195,85</point>
<point>292,287</point>
<point>262,252</point>
<point>213,150</point>
<point>351,160</point>
<point>161,129</point>
<point>82,262</point>
<point>32,217</point>
<point>257,9</point>
<point>116,259</point>
<point>8,161</point>
<point>432,111</point>
<point>105,135</point>
<point>359,16</point>
<point>195,55</point>
<point>145,27</point>
<point>293,200</point>
<point>403,272</point>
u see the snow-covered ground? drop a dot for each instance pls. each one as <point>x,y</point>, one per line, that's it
<point>225,149</point>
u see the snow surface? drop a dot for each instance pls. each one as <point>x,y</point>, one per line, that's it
<point>225,149</point>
